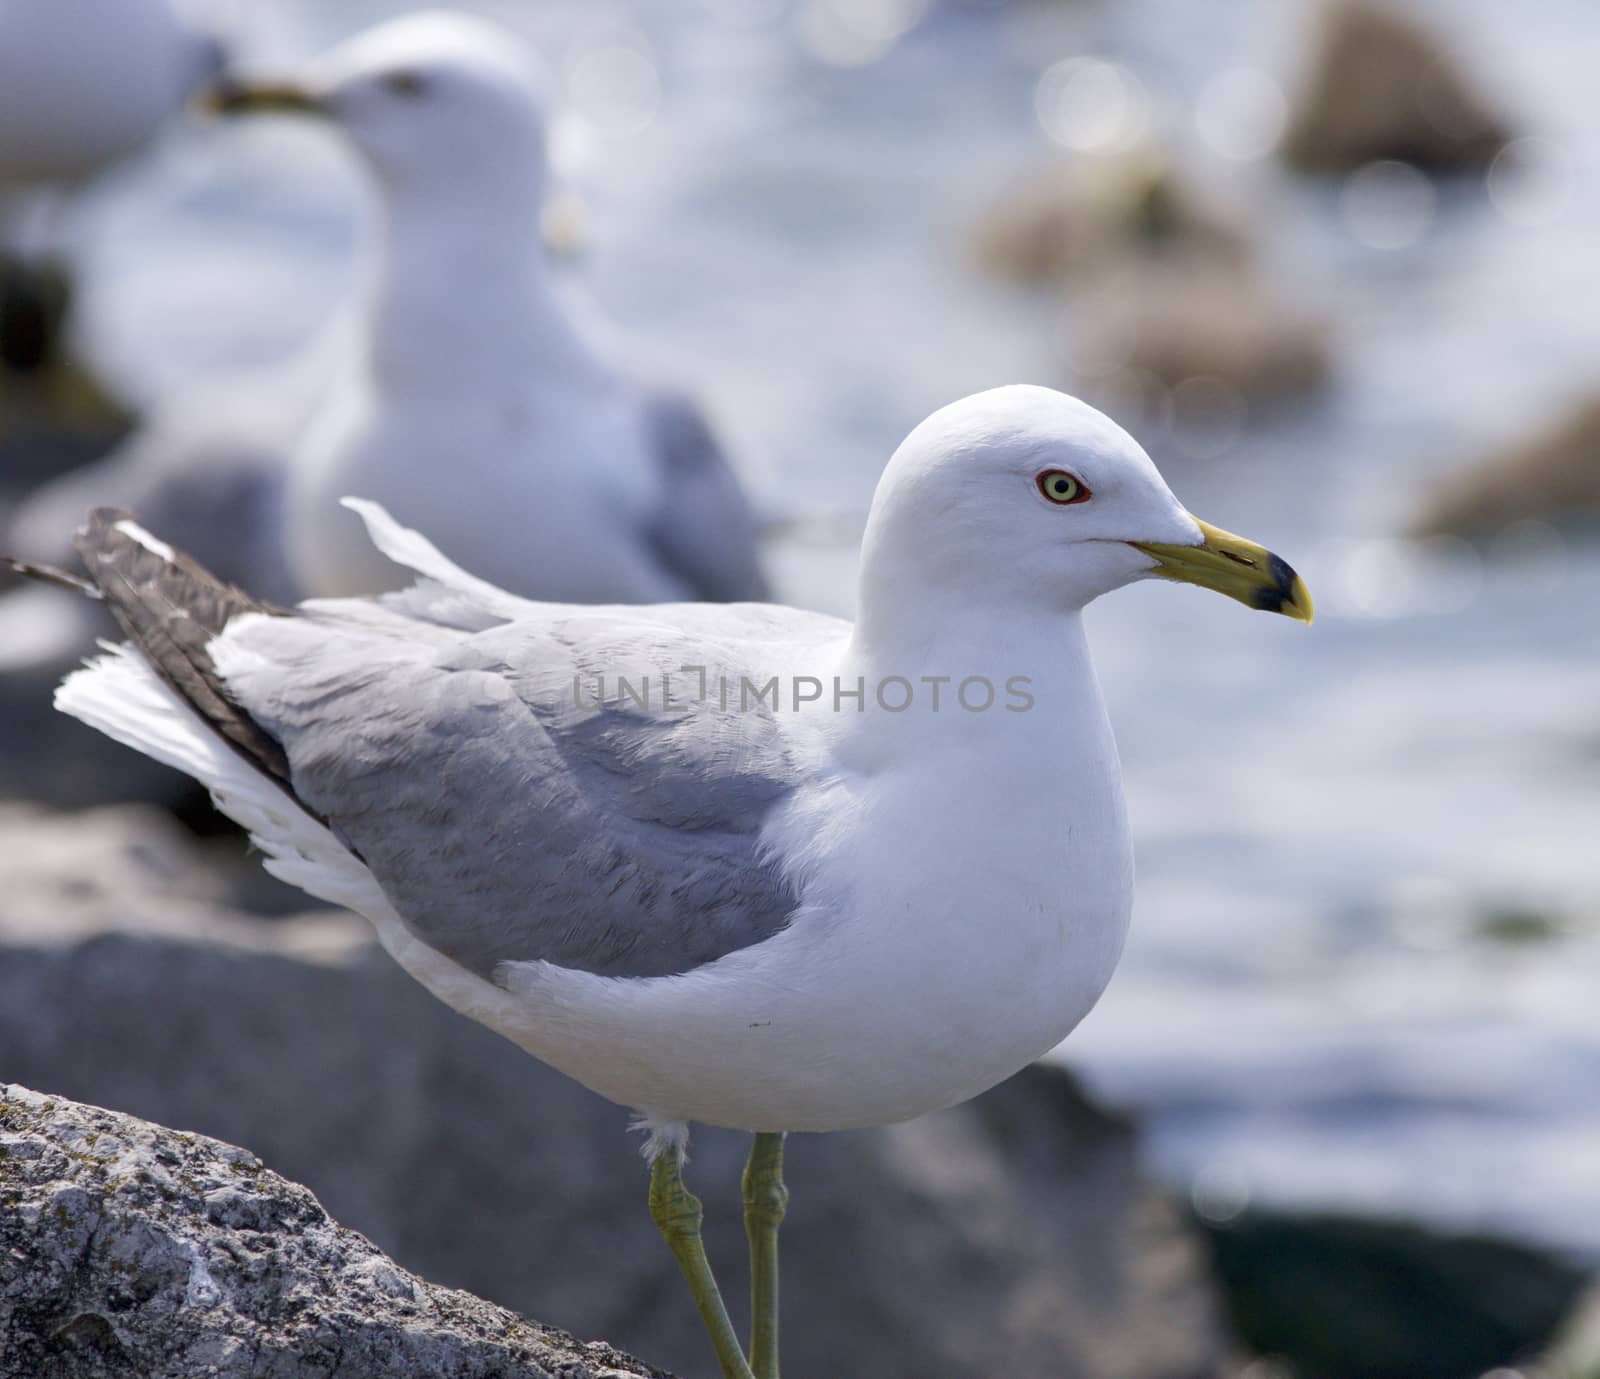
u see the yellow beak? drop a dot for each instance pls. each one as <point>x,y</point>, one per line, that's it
<point>1233,566</point>
<point>230,96</point>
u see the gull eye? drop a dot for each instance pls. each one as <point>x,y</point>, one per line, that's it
<point>405,83</point>
<point>1061,488</point>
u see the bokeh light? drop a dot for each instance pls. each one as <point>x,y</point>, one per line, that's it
<point>1530,182</point>
<point>1241,113</point>
<point>613,85</point>
<point>1220,1192</point>
<point>1092,106</point>
<point>1389,577</point>
<point>853,33</point>
<point>1387,205</point>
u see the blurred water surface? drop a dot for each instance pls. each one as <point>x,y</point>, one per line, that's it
<point>1367,939</point>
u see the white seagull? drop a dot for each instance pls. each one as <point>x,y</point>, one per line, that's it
<point>742,864</point>
<point>87,83</point>
<point>480,404</point>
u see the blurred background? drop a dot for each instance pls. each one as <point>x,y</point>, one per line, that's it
<point>1334,264</point>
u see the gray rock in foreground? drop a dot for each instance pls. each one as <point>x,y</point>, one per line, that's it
<point>129,1249</point>
<point>1014,1236</point>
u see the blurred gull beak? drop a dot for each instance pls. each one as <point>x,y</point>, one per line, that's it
<point>232,96</point>
<point>1233,566</point>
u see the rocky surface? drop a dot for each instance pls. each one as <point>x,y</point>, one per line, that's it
<point>1012,1236</point>
<point>1379,85</point>
<point>1346,1295</point>
<point>53,412</point>
<point>130,1249</point>
<point>1177,321</point>
<point>1550,476</point>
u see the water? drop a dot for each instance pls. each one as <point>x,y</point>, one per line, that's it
<point>1313,1008</point>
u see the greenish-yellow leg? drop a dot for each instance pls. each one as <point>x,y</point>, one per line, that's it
<point>677,1214</point>
<point>765,1200</point>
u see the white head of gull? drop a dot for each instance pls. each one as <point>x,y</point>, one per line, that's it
<point>799,875</point>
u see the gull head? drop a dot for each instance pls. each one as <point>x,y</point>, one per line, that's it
<point>432,100</point>
<point>1025,497</point>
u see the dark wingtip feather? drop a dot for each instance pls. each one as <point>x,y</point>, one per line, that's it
<point>172,608</point>
<point>48,574</point>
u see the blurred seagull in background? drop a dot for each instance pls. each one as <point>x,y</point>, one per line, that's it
<point>837,908</point>
<point>464,395</point>
<point>85,84</point>
<point>480,404</point>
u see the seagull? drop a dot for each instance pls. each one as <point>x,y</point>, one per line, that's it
<point>735,864</point>
<point>85,84</point>
<point>482,404</point>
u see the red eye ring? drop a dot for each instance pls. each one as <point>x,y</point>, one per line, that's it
<point>1061,488</point>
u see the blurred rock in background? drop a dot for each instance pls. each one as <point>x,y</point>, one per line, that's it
<point>1550,476</point>
<point>1072,219</point>
<point>53,414</point>
<point>1015,1235</point>
<point>81,90</point>
<point>1380,85</point>
<point>1163,289</point>
<point>1221,337</point>
<point>1334,1296</point>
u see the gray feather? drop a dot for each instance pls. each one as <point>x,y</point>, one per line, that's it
<point>508,817</point>
<point>706,533</point>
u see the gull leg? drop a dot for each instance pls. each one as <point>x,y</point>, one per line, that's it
<point>677,1214</point>
<point>765,1200</point>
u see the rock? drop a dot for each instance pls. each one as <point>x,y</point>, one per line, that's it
<point>1335,1295</point>
<point>1171,322</point>
<point>53,413</point>
<point>51,759</point>
<point>1015,1235</point>
<point>61,875</point>
<point>1552,476</point>
<point>1166,287</point>
<point>1381,86</point>
<point>130,1249</point>
<point>1068,221</point>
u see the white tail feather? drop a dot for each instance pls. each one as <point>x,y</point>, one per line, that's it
<point>120,695</point>
<point>415,552</point>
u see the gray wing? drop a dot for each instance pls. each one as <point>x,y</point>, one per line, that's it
<point>508,816</point>
<point>706,533</point>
